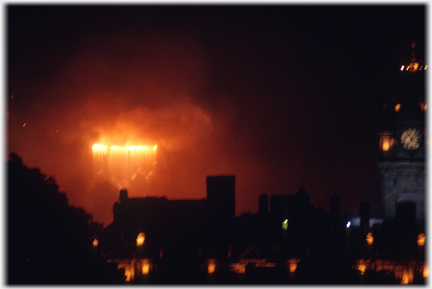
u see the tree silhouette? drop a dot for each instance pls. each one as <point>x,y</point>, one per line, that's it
<point>49,241</point>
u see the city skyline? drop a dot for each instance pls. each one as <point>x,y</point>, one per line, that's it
<point>280,96</point>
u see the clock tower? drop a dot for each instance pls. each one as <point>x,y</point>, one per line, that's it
<point>402,142</point>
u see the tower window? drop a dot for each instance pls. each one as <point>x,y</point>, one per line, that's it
<point>386,143</point>
<point>398,107</point>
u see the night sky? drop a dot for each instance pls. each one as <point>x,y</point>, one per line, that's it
<point>280,96</point>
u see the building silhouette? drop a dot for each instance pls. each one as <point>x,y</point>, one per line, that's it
<point>179,234</point>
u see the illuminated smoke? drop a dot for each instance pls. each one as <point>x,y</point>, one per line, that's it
<point>121,164</point>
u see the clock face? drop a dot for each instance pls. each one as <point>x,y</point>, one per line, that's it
<point>410,139</point>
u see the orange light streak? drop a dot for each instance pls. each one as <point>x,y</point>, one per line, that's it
<point>121,163</point>
<point>124,148</point>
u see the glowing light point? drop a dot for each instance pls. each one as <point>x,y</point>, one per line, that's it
<point>285,224</point>
<point>369,238</point>
<point>348,224</point>
<point>140,239</point>
<point>145,268</point>
<point>421,239</point>
<point>121,163</point>
<point>397,107</point>
<point>95,242</point>
<point>24,124</point>
<point>425,67</point>
<point>98,147</point>
<point>402,68</point>
<point>362,268</point>
<point>211,267</point>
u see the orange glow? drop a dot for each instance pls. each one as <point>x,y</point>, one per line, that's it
<point>386,143</point>
<point>145,268</point>
<point>423,106</point>
<point>397,107</point>
<point>24,124</point>
<point>292,264</point>
<point>129,271</point>
<point>95,242</point>
<point>425,272</point>
<point>124,148</point>
<point>140,239</point>
<point>414,66</point>
<point>421,239</point>
<point>369,238</point>
<point>211,268</point>
<point>361,265</point>
<point>407,277</point>
<point>121,163</point>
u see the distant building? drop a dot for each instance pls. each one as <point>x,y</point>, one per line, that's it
<point>173,231</point>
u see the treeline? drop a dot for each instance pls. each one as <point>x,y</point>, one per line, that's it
<point>49,241</point>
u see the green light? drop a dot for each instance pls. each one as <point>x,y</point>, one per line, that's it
<point>285,225</point>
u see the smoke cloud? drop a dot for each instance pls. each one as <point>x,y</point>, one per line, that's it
<point>219,91</point>
<point>127,90</point>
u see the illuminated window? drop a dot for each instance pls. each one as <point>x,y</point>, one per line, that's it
<point>386,143</point>
<point>414,66</point>
<point>292,264</point>
<point>421,239</point>
<point>140,239</point>
<point>211,266</point>
<point>145,268</point>
<point>285,224</point>
<point>362,268</point>
<point>369,238</point>
<point>397,107</point>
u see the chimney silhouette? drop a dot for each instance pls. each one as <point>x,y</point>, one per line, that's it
<point>263,204</point>
<point>123,195</point>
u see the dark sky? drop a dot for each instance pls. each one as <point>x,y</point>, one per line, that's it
<point>280,96</point>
